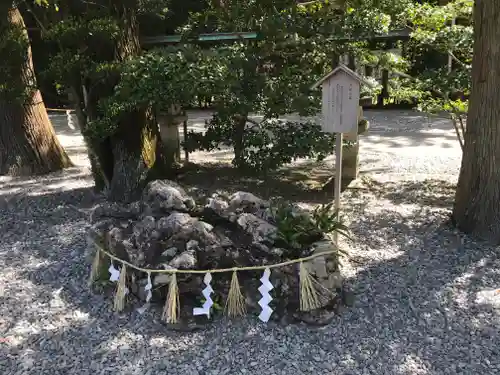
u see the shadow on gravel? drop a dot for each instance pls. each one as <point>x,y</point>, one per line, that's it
<point>309,182</point>
<point>415,311</point>
<point>12,188</point>
<point>427,193</point>
<point>417,286</point>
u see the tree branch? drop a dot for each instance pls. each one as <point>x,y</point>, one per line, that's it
<point>460,62</point>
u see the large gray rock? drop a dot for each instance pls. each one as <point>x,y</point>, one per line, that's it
<point>260,229</point>
<point>244,200</point>
<point>173,223</point>
<point>167,196</point>
<point>217,204</point>
<point>185,261</point>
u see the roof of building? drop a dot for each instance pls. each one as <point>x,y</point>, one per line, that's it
<point>210,37</point>
<point>345,69</point>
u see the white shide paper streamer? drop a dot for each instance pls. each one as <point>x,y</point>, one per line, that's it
<point>148,288</point>
<point>264,290</point>
<point>149,294</point>
<point>114,273</point>
<point>205,309</point>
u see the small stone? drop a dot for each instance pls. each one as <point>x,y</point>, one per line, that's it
<point>216,204</point>
<point>192,245</point>
<point>276,251</point>
<point>225,241</point>
<point>242,199</point>
<point>170,252</point>
<point>186,260</point>
<point>206,226</point>
<point>161,279</point>
<point>173,223</point>
<point>148,223</point>
<point>261,247</point>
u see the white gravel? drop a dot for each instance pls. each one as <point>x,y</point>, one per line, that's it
<point>425,294</point>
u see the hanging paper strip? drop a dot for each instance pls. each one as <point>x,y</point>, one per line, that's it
<point>114,273</point>
<point>149,294</point>
<point>205,309</point>
<point>264,290</point>
<point>148,288</point>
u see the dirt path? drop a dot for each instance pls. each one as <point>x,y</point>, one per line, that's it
<point>398,143</point>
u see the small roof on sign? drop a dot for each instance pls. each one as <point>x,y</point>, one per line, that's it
<point>345,69</point>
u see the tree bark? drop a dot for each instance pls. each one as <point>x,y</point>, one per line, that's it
<point>135,152</point>
<point>477,199</point>
<point>238,138</point>
<point>28,143</point>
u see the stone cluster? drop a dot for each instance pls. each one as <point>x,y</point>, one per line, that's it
<point>167,229</point>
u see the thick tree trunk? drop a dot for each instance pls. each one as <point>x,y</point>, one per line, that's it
<point>477,200</point>
<point>138,154</point>
<point>135,151</point>
<point>28,143</point>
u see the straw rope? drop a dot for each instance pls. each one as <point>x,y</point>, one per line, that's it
<point>220,270</point>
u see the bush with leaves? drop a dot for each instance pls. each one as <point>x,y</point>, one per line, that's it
<point>268,145</point>
<point>157,79</point>
<point>272,74</point>
<point>298,229</point>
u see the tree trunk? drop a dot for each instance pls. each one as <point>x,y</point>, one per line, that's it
<point>384,94</point>
<point>28,143</point>
<point>477,200</point>
<point>238,138</point>
<point>135,151</point>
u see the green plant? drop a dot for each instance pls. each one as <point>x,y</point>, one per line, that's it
<point>326,220</point>
<point>217,305</point>
<point>269,144</point>
<point>272,75</point>
<point>294,229</point>
<point>445,32</point>
<point>298,229</point>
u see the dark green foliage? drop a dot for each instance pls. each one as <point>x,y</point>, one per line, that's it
<point>298,229</point>
<point>326,220</point>
<point>267,145</point>
<point>437,87</point>
<point>157,79</point>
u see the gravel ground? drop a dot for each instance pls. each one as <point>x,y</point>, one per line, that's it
<point>423,304</point>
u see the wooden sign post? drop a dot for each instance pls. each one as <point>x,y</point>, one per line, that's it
<point>340,105</point>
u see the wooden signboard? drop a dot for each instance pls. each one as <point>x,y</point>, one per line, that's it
<point>340,100</point>
<point>340,106</point>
